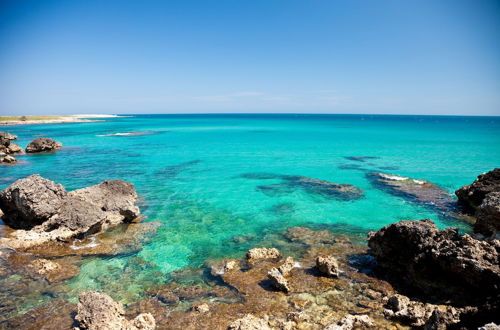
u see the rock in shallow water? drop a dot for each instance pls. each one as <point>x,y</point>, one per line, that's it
<point>438,263</point>
<point>97,311</point>
<point>482,199</point>
<point>43,145</point>
<point>249,322</point>
<point>277,275</point>
<point>257,254</point>
<point>52,214</point>
<point>327,265</point>
<point>30,201</point>
<point>8,148</point>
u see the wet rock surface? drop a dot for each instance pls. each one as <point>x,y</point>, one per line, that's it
<point>49,213</point>
<point>56,315</point>
<point>327,265</point>
<point>98,311</point>
<point>237,296</point>
<point>418,314</point>
<point>312,302</point>
<point>440,264</point>
<point>43,145</point>
<point>482,199</point>
<point>8,148</point>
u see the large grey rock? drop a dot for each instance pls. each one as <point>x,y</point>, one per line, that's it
<point>438,262</point>
<point>4,136</point>
<point>6,146</point>
<point>43,145</point>
<point>31,201</point>
<point>98,311</point>
<point>51,214</point>
<point>482,199</point>
<point>471,196</point>
<point>488,214</point>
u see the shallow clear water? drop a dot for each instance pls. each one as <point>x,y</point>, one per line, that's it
<point>189,173</point>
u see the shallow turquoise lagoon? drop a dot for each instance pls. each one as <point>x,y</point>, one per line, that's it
<point>188,170</point>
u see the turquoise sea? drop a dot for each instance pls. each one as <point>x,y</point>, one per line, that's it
<point>201,177</point>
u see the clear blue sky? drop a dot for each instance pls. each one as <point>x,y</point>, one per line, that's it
<point>352,56</point>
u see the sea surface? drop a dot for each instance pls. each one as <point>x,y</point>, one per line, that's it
<point>215,182</point>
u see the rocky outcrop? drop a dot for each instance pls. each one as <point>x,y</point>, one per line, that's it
<point>31,201</point>
<point>352,322</point>
<point>6,144</point>
<point>43,145</point>
<point>7,159</point>
<point>438,263</point>
<point>249,322</point>
<point>257,254</point>
<point>278,275</point>
<point>418,314</point>
<point>327,265</point>
<point>4,136</point>
<point>48,213</point>
<point>7,148</point>
<point>98,311</point>
<point>488,215</point>
<point>482,199</point>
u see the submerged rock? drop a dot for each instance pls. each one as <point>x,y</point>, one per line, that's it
<point>291,183</point>
<point>327,189</point>
<point>98,311</point>
<point>43,145</point>
<point>419,191</point>
<point>55,315</point>
<point>361,158</point>
<point>438,263</point>
<point>54,271</point>
<point>49,213</point>
<point>327,265</point>
<point>482,199</point>
<point>309,236</point>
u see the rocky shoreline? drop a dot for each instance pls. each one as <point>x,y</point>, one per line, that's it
<point>8,148</point>
<point>411,275</point>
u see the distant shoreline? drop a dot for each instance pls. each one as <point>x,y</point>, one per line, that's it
<point>34,120</point>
